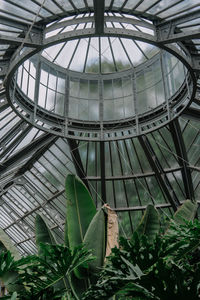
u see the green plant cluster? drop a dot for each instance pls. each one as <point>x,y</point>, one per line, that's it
<point>155,263</point>
<point>59,270</point>
<point>167,264</point>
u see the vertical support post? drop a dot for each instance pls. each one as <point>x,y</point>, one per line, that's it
<point>37,84</point>
<point>135,104</point>
<point>165,85</point>
<point>99,7</point>
<point>100,84</point>
<point>66,105</point>
<point>102,163</point>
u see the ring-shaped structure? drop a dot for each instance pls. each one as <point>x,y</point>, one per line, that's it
<point>140,122</point>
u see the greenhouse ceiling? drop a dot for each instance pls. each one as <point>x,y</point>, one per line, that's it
<point>108,90</point>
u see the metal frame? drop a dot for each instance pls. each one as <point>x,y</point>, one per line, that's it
<point>182,159</point>
<point>78,126</point>
<point>31,148</point>
<point>159,172</point>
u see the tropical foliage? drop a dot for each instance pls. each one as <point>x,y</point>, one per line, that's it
<point>169,262</point>
<point>153,264</point>
<point>75,267</point>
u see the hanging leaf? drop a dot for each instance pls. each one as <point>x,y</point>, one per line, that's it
<point>150,223</point>
<point>6,243</point>
<point>43,233</point>
<point>95,240</point>
<point>80,210</point>
<point>186,211</point>
<point>112,230</point>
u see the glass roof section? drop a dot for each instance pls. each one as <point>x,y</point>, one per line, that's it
<point>99,66</point>
<point>100,54</point>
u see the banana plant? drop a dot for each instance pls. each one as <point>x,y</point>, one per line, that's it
<point>80,210</point>
<point>83,224</point>
<point>98,245</point>
<point>186,211</point>
<point>42,233</point>
<point>150,223</point>
<point>163,260</point>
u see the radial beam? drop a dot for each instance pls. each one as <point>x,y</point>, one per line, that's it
<point>161,177</point>
<point>20,25</point>
<point>192,113</point>
<point>182,158</point>
<point>178,20</point>
<point>11,40</point>
<point>29,150</point>
<point>77,160</point>
<point>167,31</point>
<point>172,37</point>
<point>99,7</point>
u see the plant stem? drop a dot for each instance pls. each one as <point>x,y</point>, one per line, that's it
<point>72,288</point>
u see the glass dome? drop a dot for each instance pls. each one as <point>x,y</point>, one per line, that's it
<point>78,82</point>
<point>107,90</point>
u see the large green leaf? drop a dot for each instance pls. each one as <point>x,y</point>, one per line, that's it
<point>95,240</point>
<point>43,233</point>
<point>59,264</point>
<point>150,223</point>
<point>6,243</point>
<point>80,210</point>
<point>186,211</point>
<point>9,271</point>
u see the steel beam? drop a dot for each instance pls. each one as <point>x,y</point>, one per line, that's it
<point>178,20</point>
<point>20,25</point>
<point>192,113</point>
<point>12,40</point>
<point>99,7</point>
<point>161,177</point>
<point>131,176</point>
<point>77,160</point>
<point>102,164</point>
<point>143,207</point>
<point>167,31</point>
<point>15,141</point>
<point>182,158</point>
<point>172,37</point>
<point>41,143</point>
